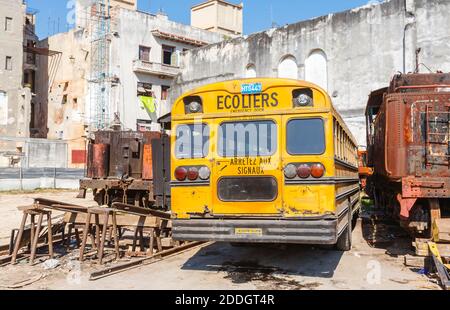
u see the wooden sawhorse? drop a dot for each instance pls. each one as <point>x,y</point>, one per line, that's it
<point>35,231</point>
<point>104,213</point>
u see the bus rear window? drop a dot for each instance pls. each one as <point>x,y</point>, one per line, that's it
<point>192,141</point>
<point>247,139</point>
<point>306,136</point>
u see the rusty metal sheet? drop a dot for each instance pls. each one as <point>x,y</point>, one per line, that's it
<point>416,82</point>
<point>98,161</point>
<point>147,158</point>
<point>137,185</point>
<point>147,166</point>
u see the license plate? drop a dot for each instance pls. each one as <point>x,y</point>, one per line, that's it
<point>251,89</point>
<point>248,231</point>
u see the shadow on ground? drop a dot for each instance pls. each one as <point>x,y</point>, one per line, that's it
<point>382,232</point>
<point>267,263</point>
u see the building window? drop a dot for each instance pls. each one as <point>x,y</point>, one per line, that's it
<point>144,125</point>
<point>144,89</point>
<point>164,92</point>
<point>250,71</point>
<point>8,63</point>
<point>3,108</point>
<point>316,70</point>
<point>8,24</point>
<point>288,68</point>
<point>169,56</point>
<point>29,79</point>
<point>64,99</point>
<point>144,53</point>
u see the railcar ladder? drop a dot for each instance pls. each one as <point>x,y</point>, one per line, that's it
<point>438,135</point>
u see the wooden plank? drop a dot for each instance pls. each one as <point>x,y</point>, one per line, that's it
<point>122,220</point>
<point>423,250</point>
<point>414,261</point>
<point>444,250</point>
<point>441,230</point>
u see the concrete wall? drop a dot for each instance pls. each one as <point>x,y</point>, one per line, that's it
<point>363,48</point>
<point>15,99</point>
<point>219,16</point>
<point>126,4</point>
<point>39,178</point>
<point>39,153</point>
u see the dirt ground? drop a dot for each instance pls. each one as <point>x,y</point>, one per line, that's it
<point>368,266</point>
<point>10,201</point>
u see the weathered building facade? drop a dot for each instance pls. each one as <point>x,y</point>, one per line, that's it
<point>142,54</point>
<point>15,87</point>
<point>349,53</point>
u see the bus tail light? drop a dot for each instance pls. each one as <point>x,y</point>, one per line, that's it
<point>290,171</point>
<point>317,171</point>
<point>304,171</point>
<point>192,174</point>
<point>181,174</point>
<point>204,173</point>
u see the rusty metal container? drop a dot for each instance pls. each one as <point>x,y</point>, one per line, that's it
<point>126,155</point>
<point>98,161</point>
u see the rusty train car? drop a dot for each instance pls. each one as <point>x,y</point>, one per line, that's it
<point>408,133</point>
<point>130,167</point>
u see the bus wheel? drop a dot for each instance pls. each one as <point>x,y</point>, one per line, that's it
<point>345,240</point>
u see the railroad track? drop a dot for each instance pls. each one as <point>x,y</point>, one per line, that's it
<point>158,257</point>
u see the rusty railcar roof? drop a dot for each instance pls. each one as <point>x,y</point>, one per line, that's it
<point>412,82</point>
<point>418,81</point>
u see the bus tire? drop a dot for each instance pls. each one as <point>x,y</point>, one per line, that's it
<point>344,242</point>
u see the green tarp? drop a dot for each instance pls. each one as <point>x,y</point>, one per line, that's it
<point>150,106</point>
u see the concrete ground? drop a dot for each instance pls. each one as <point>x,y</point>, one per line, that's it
<point>368,266</point>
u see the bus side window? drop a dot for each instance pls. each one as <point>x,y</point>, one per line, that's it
<point>339,140</point>
<point>335,138</point>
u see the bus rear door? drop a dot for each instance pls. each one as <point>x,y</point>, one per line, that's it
<point>247,172</point>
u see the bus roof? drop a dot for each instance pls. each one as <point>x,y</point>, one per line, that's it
<point>216,97</point>
<point>233,86</point>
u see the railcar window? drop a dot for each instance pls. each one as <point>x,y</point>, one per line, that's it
<point>192,141</point>
<point>247,139</point>
<point>306,136</point>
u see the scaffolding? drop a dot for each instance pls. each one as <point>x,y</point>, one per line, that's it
<point>100,73</point>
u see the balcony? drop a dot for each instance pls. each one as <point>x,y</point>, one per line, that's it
<point>161,70</point>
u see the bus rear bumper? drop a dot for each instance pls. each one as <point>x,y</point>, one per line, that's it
<point>320,231</point>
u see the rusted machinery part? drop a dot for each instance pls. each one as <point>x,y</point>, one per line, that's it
<point>138,211</point>
<point>99,274</point>
<point>49,202</point>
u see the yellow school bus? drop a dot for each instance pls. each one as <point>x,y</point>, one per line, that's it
<point>262,161</point>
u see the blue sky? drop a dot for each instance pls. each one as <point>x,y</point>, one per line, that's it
<point>258,14</point>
